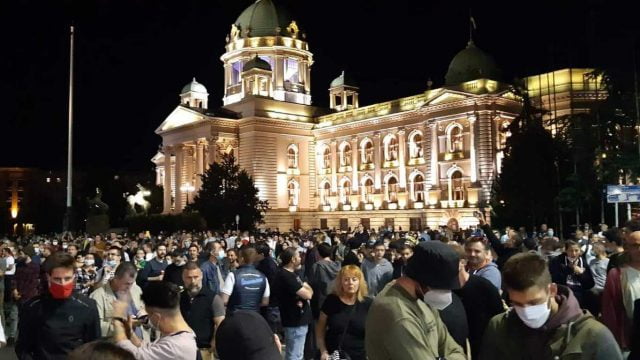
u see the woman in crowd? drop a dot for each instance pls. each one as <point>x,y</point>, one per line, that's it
<point>342,317</point>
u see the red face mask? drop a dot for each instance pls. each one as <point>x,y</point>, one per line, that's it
<point>61,291</point>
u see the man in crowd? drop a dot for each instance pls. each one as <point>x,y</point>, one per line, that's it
<point>622,287</point>
<point>403,321</point>
<point>113,257</point>
<point>246,288</point>
<point>511,247</point>
<point>245,335</point>
<point>212,275</point>
<point>177,340</point>
<point>43,317</point>
<point>154,269</point>
<point>546,321</point>
<point>201,309</point>
<point>479,261</point>
<point>377,270</point>
<point>400,264</point>
<point>26,281</point>
<point>193,254</point>
<point>571,270</point>
<point>173,272</point>
<point>268,266</point>
<point>293,298</point>
<point>321,278</point>
<point>360,237</point>
<point>122,286</point>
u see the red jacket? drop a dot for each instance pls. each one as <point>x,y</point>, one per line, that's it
<point>614,315</point>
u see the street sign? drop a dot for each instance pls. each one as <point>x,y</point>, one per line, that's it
<point>623,193</point>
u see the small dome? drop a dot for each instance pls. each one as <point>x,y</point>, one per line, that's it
<point>194,86</point>
<point>343,80</point>
<point>262,18</point>
<point>471,64</point>
<point>256,63</point>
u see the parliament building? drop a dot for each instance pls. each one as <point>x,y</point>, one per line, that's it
<point>423,160</point>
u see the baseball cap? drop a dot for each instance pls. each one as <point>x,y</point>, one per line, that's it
<point>434,264</point>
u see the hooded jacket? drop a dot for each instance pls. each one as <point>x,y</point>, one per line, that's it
<point>570,333</point>
<point>491,273</point>
<point>321,279</point>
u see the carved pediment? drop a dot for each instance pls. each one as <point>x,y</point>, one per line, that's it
<point>179,117</point>
<point>446,97</point>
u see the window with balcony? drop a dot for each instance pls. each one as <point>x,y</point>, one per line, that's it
<point>367,152</point>
<point>391,149</point>
<point>457,187</point>
<point>392,189</point>
<point>418,188</point>
<point>455,142</point>
<point>325,192</point>
<point>415,145</point>
<point>345,155</point>
<point>368,191</point>
<point>345,192</point>
<point>293,189</point>
<point>292,157</point>
<point>326,158</point>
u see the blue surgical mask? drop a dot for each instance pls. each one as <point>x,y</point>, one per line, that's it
<point>111,263</point>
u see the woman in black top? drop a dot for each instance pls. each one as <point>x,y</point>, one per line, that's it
<point>343,314</point>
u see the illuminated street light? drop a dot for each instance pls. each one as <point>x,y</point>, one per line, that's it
<point>187,188</point>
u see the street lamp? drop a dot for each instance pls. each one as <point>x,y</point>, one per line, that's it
<point>188,188</point>
<point>237,223</point>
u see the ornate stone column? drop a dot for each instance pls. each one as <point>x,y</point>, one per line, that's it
<point>472,147</point>
<point>213,150</point>
<point>402,145</point>
<point>435,150</point>
<point>377,160</point>
<point>334,166</point>
<point>199,163</point>
<point>354,163</point>
<point>179,151</point>
<point>166,206</point>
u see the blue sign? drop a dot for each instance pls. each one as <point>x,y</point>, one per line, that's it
<point>623,193</point>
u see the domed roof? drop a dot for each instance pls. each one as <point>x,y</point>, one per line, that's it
<point>256,63</point>
<point>343,80</point>
<point>262,18</point>
<point>470,64</point>
<point>194,86</point>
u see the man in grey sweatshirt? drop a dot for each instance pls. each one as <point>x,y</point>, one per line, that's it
<point>479,261</point>
<point>377,270</point>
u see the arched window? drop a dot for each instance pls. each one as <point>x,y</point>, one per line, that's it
<point>292,156</point>
<point>418,188</point>
<point>325,192</point>
<point>345,191</point>
<point>345,155</point>
<point>293,188</point>
<point>392,189</point>
<point>326,158</point>
<point>457,187</point>
<point>415,145</point>
<point>367,152</point>
<point>391,149</point>
<point>503,134</point>
<point>455,139</point>
<point>367,193</point>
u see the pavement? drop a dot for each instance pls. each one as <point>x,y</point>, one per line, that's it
<point>8,353</point>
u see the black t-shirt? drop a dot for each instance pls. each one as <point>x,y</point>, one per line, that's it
<point>339,315</point>
<point>294,311</point>
<point>245,335</point>
<point>455,318</point>
<point>173,274</point>
<point>481,302</point>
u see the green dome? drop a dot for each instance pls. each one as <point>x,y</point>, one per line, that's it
<point>471,64</point>
<point>194,86</point>
<point>343,80</point>
<point>256,63</point>
<point>262,18</point>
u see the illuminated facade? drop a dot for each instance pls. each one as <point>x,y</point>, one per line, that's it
<point>423,160</point>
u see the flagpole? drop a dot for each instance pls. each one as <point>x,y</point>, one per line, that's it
<point>67,216</point>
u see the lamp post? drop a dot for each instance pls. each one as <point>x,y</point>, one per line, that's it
<point>237,222</point>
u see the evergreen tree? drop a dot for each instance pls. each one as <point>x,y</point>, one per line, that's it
<point>524,194</point>
<point>228,191</point>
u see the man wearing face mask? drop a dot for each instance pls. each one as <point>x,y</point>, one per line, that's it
<point>546,321</point>
<point>43,317</point>
<point>407,309</point>
<point>162,301</point>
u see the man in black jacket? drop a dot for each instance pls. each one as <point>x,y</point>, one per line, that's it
<point>51,325</point>
<point>505,251</point>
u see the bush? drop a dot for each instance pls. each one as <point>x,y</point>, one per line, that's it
<point>166,222</point>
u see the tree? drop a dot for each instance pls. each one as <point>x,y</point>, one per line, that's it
<point>228,191</point>
<point>525,191</point>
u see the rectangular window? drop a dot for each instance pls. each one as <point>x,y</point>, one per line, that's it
<point>415,224</point>
<point>323,224</point>
<point>366,223</point>
<point>291,70</point>
<point>389,222</point>
<point>344,224</point>
<point>236,69</point>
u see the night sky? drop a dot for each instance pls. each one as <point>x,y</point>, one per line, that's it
<point>134,56</point>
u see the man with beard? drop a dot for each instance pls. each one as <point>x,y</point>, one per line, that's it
<point>154,269</point>
<point>201,308</point>
<point>479,261</point>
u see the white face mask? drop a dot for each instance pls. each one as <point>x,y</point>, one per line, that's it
<point>89,262</point>
<point>533,316</point>
<point>439,299</point>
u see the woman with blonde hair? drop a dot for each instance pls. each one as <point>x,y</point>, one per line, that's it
<point>341,324</point>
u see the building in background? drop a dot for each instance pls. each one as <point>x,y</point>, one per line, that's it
<point>424,160</point>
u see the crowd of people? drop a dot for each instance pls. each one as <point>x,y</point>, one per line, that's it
<point>324,294</point>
